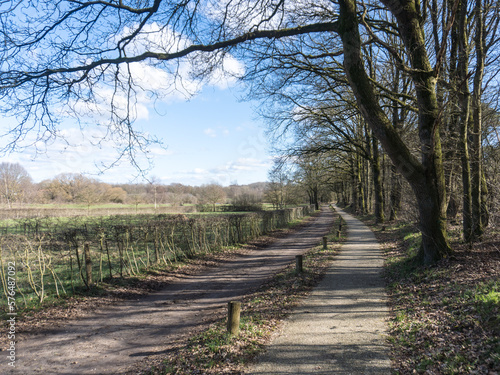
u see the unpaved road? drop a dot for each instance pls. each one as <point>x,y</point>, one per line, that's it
<point>112,339</point>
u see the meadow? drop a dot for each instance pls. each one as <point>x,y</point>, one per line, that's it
<point>46,258</point>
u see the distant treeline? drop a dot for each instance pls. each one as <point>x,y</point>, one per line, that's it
<point>17,189</point>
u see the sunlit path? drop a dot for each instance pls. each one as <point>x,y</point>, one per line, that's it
<point>340,328</point>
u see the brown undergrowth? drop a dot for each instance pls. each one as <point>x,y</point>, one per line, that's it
<point>445,318</point>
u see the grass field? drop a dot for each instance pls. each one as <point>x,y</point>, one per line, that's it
<point>66,210</point>
<point>50,258</point>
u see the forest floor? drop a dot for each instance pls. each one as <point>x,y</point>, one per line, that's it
<point>446,317</point>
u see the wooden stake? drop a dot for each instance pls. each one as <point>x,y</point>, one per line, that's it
<point>298,263</point>
<point>88,264</point>
<point>325,243</point>
<point>233,317</point>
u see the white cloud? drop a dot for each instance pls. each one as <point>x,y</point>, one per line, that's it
<point>160,151</point>
<point>244,170</point>
<point>241,165</point>
<point>213,133</point>
<point>77,151</point>
<point>227,74</point>
<point>153,81</point>
<point>210,132</point>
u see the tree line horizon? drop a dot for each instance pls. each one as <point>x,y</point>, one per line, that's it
<point>17,187</point>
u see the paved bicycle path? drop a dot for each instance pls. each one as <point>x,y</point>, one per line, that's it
<point>110,340</point>
<point>341,327</point>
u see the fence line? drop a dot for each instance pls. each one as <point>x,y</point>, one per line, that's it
<point>55,258</point>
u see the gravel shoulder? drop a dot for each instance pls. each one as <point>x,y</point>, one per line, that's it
<point>112,339</point>
<point>341,328</point>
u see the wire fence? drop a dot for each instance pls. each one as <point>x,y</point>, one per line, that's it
<point>55,257</point>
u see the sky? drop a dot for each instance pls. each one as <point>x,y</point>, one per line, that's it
<point>211,138</point>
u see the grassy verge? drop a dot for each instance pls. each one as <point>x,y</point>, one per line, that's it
<point>445,318</point>
<point>214,351</point>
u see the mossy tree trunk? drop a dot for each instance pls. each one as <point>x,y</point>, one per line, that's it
<point>377,183</point>
<point>427,176</point>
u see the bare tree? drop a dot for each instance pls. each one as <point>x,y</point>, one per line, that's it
<point>14,182</point>
<point>154,183</point>
<point>115,195</point>
<point>279,187</point>
<point>213,194</point>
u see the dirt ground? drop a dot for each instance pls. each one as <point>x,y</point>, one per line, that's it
<point>117,338</point>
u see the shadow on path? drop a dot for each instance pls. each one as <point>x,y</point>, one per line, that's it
<point>341,327</point>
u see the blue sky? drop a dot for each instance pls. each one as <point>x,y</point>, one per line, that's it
<point>210,137</point>
<point>213,137</point>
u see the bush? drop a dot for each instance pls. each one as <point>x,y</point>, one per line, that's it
<point>245,202</point>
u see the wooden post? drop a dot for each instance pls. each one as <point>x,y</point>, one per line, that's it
<point>233,317</point>
<point>338,234</point>
<point>298,263</point>
<point>88,264</point>
<point>325,242</point>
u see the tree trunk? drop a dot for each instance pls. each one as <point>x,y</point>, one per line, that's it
<point>359,184</point>
<point>476,154</point>
<point>431,224</point>
<point>466,182</point>
<point>377,183</point>
<point>426,177</point>
<point>396,183</point>
<point>485,214</point>
<point>464,105</point>
<point>316,199</point>
<point>354,185</point>
<point>395,195</point>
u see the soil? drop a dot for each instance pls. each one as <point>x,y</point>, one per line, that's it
<point>109,335</point>
<point>439,322</point>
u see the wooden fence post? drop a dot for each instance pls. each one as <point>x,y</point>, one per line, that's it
<point>325,243</point>
<point>233,317</point>
<point>298,263</point>
<point>88,264</point>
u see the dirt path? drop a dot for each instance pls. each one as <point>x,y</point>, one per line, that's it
<point>341,327</point>
<point>111,340</point>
